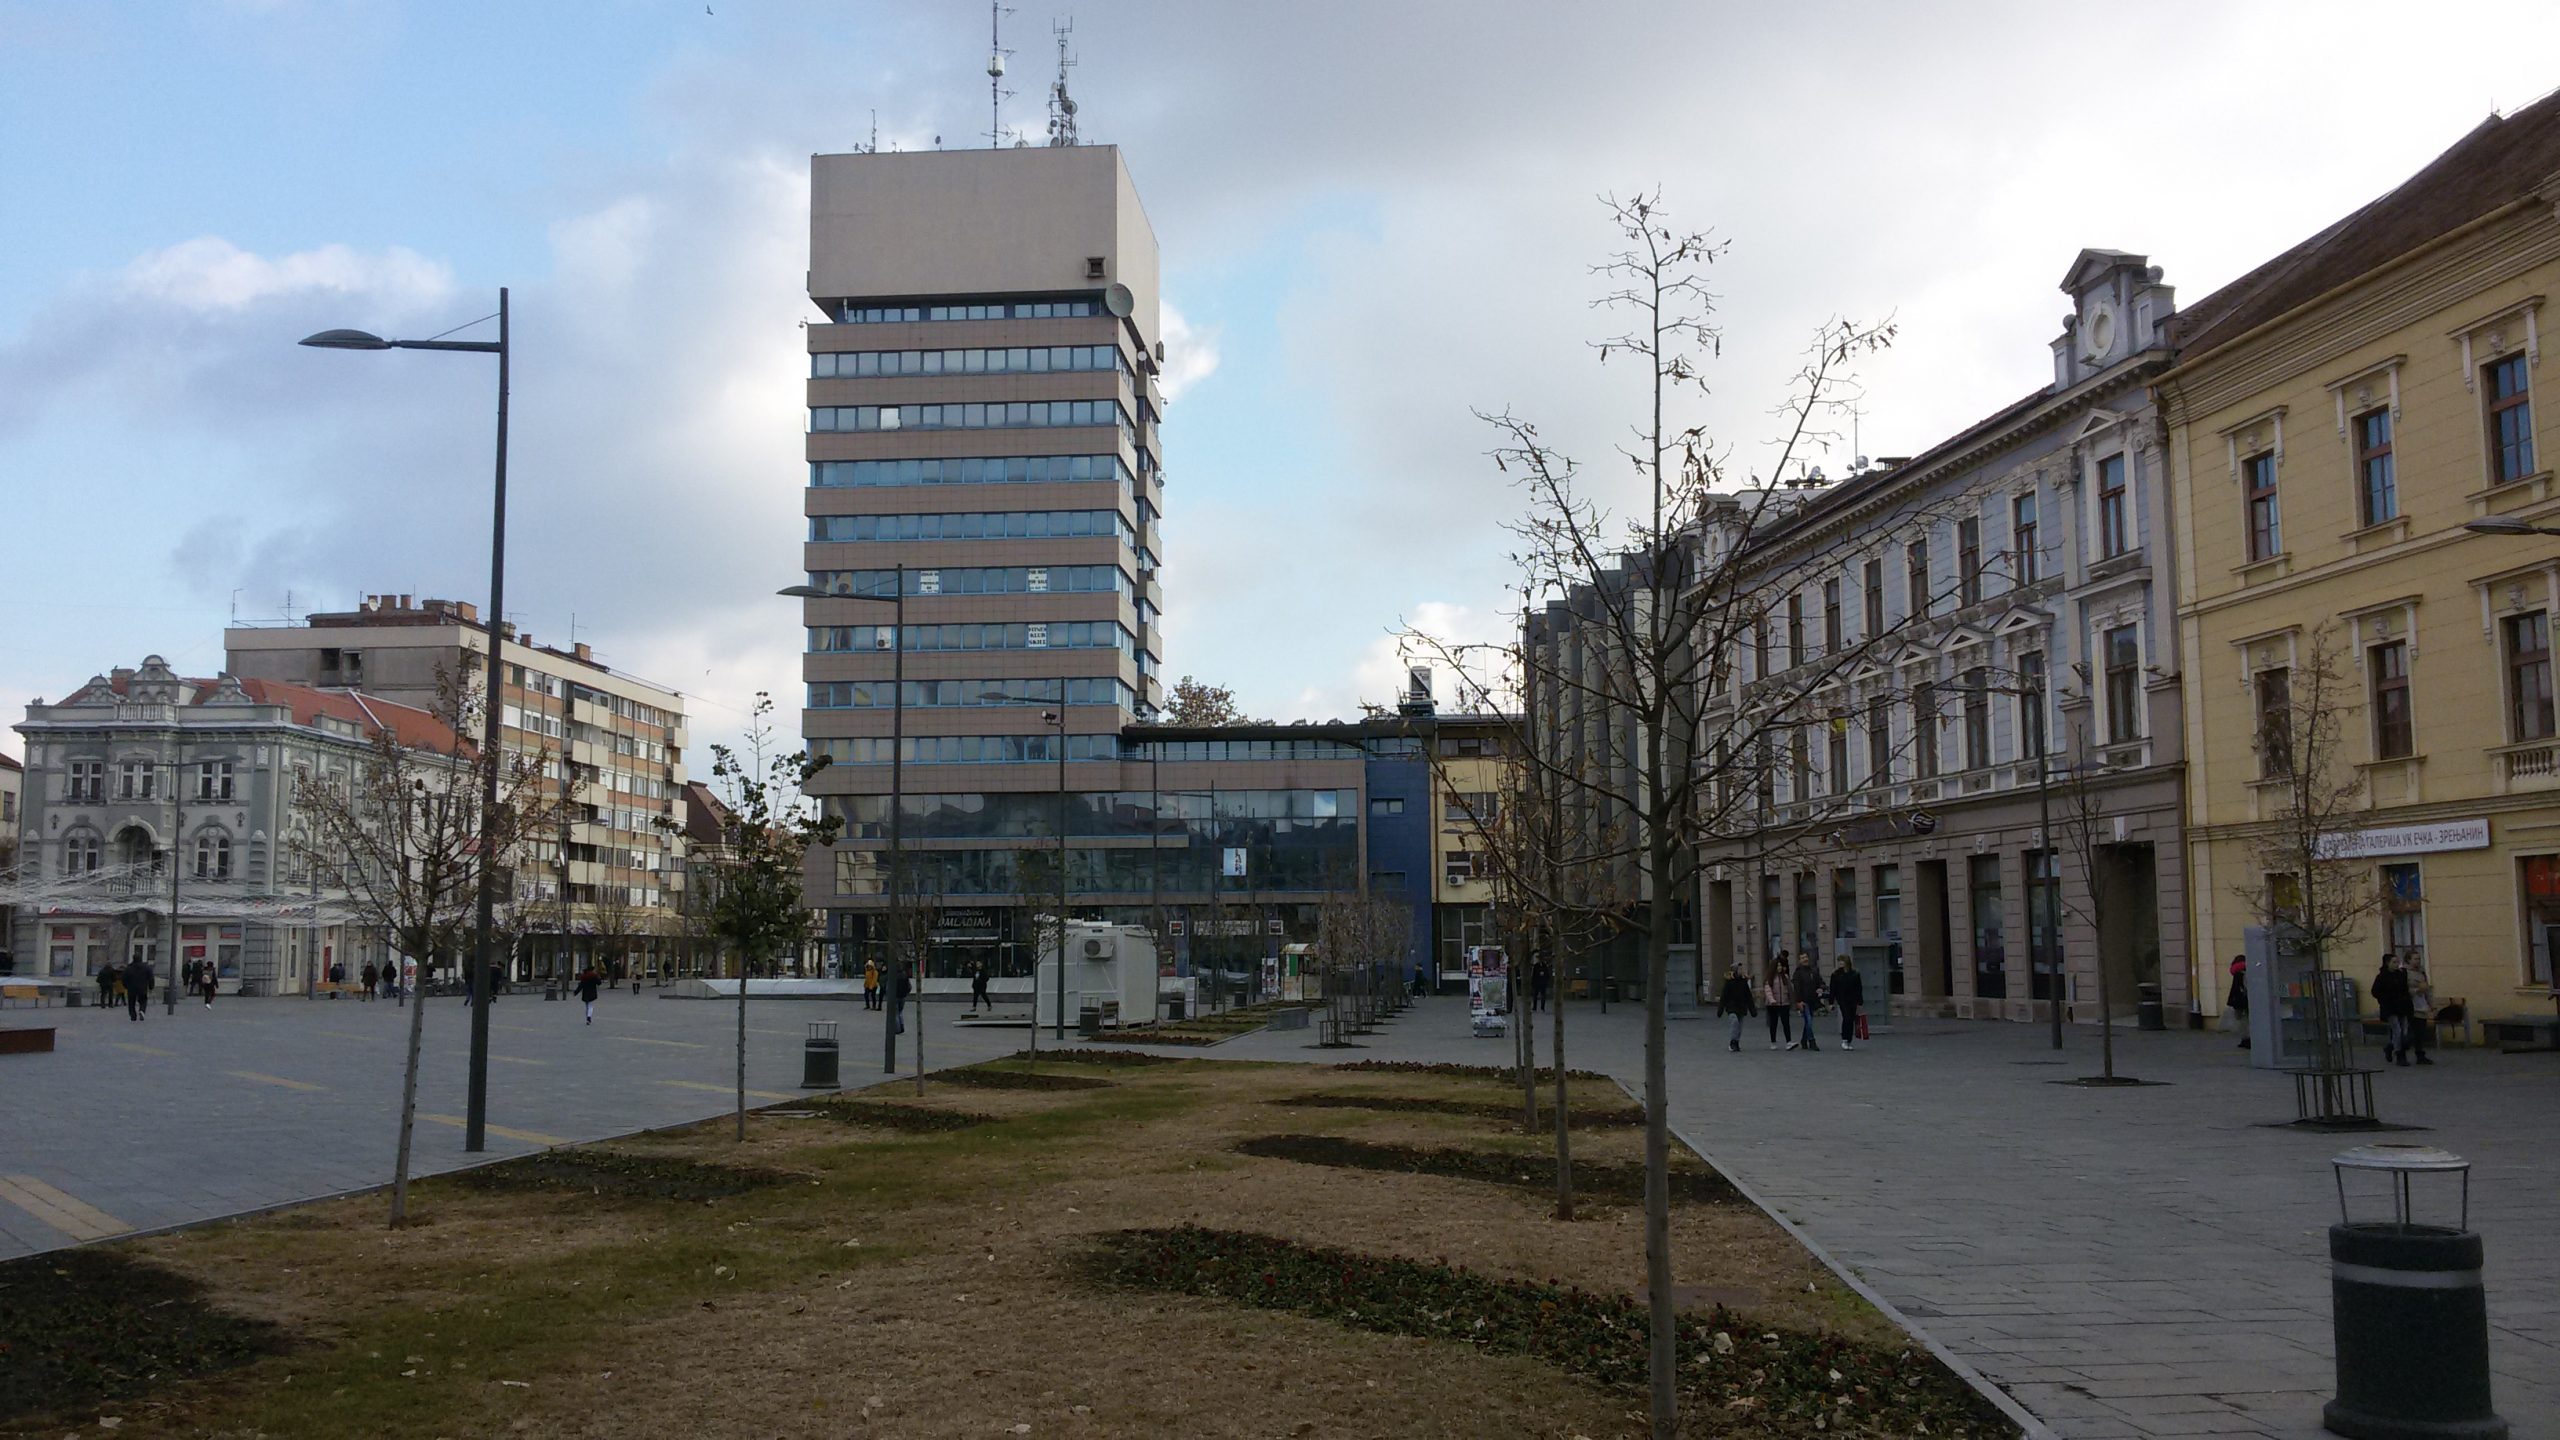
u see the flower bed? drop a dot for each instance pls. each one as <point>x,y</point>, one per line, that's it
<point>1098,1055</point>
<point>986,1079</point>
<point>1689,1185</point>
<point>82,1328</point>
<point>1504,1073</point>
<point>1615,1115</point>
<point>1750,1379</point>
<point>625,1177</point>
<point>890,1115</point>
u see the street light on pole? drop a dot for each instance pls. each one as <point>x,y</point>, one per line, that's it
<point>1057,718</point>
<point>476,1113</point>
<point>896,600</point>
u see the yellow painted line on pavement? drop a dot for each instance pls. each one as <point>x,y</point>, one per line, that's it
<point>275,1080</point>
<point>142,1049</point>
<point>519,1060</point>
<point>732,1090</point>
<point>530,1137</point>
<point>72,1217</point>
<point>646,1040</point>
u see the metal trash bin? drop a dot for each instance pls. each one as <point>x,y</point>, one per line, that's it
<point>2410,1318</point>
<point>1089,1022</point>
<point>1174,1007</point>
<point>2147,1012</point>
<point>819,1057</point>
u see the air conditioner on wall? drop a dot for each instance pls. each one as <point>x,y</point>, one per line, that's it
<point>1098,947</point>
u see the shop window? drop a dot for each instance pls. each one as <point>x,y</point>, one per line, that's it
<point>2539,887</point>
<point>2404,914</point>
<point>1990,955</point>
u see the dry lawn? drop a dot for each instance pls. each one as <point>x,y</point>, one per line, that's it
<point>921,1284</point>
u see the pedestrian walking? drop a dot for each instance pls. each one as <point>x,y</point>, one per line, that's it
<point>208,980</point>
<point>589,984</point>
<point>1777,1001</point>
<point>894,1000</point>
<point>1542,983</point>
<point>2398,1007</point>
<point>870,984</point>
<point>1808,990</point>
<point>978,988</point>
<point>2237,1003</point>
<point>1848,993</point>
<point>1735,1001</point>
<point>2422,1005</point>
<point>137,989</point>
<point>108,981</point>
<point>371,978</point>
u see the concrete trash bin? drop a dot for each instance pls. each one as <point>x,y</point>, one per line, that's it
<point>819,1057</point>
<point>2410,1317</point>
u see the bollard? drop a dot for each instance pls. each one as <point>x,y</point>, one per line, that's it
<point>2410,1318</point>
<point>818,1057</point>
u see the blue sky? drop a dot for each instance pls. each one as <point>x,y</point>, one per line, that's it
<point>1373,218</point>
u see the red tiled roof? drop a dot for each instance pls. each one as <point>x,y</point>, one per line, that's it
<point>9,762</point>
<point>2504,159</point>
<point>370,714</point>
<point>704,815</point>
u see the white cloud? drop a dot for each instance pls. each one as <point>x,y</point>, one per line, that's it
<point>211,273</point>
<point>1190,356</point>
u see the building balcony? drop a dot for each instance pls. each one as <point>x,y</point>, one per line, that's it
<point>2528,766</point>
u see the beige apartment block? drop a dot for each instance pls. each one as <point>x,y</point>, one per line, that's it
<point>2335,418</point>
<point>608,887</point>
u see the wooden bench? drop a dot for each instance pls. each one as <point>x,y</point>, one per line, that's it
<point>335,988</point>
<point>25,995</point>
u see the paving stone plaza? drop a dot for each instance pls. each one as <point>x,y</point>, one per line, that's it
<point>2140,1262</point>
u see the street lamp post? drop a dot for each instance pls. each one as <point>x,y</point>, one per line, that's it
<point>177,842</point>
<point>896,599</point>
<point>476,984</point>
<point>1057,718</point>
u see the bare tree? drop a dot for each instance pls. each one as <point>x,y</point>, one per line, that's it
<point>759,902</point>
<point>2316,886</point>
<point>403,835</point>
<point>1659,742</point>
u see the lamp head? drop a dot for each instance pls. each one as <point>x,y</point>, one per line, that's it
<point>2500,525</point>
<point>796,592</point>
<point>346,340</point>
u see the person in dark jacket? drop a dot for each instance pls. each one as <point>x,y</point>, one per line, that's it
<point>2399,1012</point>
<point>1542,983</point>
<point>109,977</point>
<point>2238,1001</point>
<point>590,984</point>
<point>1848,993</point>
<point>1735,1000</point>
<point>1808,988</point>
<point>137,990</point>
<point>978,996</point>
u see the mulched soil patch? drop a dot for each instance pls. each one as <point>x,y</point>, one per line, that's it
<point>80,1328</point>
<point>1504,1073</point>
<point>1098,1055</point>
<point>622,1177</point>
<point>890,1115</point>
<point>986,1079</point>
<point>1538,1172</point>
<point>1744,1378</point>
<point>1480,1109</point>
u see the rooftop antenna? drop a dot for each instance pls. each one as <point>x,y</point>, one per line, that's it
<point>874,147</point>
<point>1062,109</point>
<point>996,92</point>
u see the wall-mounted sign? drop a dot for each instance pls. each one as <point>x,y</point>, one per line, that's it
<point>1235,862</point>
<point>2408,840</point>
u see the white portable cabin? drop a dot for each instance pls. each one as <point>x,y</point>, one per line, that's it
<point>1110,967</point>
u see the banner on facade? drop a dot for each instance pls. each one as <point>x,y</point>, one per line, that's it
<point>2407,840</point>
<point>1235,862</point>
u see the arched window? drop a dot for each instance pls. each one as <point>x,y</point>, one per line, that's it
<point>81,854</point>
<point>213,856</point>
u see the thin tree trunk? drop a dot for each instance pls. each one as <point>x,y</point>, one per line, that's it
<point>1564,1145</point>
<point>408,1112</point>
<point>1657,1143</point>
<point>1525,1041</point>
<point>743,967</point>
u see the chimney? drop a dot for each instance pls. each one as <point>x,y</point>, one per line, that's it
<point>585,651</point>
<point>404,603</point>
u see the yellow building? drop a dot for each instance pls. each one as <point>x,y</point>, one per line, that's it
<point>2335,419</point>
<point>1471,777</point>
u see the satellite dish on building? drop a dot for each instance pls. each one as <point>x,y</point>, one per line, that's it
<point>1119,301</point>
